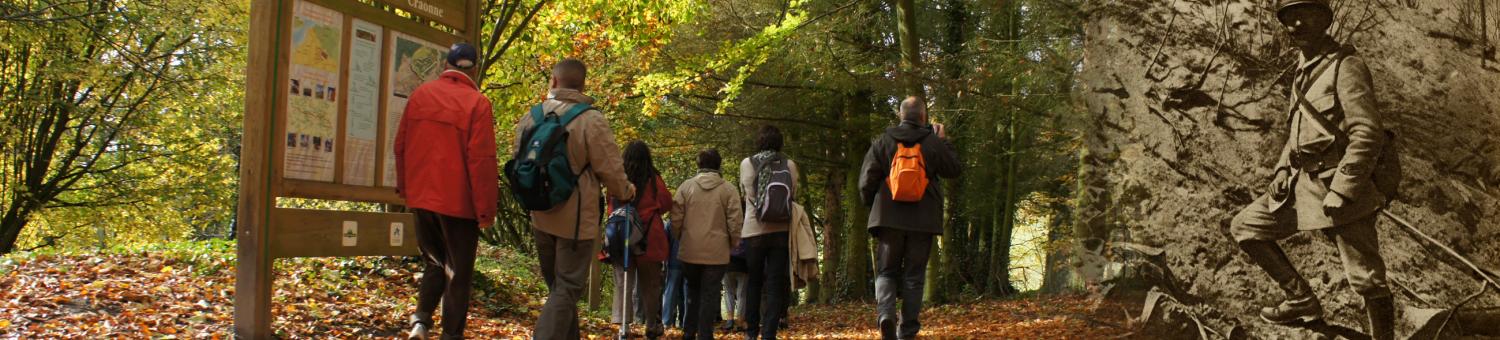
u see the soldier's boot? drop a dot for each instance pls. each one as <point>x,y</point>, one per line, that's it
<point>1300,304</point>
<point>1304,310</point>
<point>1382,313</point>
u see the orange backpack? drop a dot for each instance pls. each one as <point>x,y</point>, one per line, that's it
<point>908,178</point>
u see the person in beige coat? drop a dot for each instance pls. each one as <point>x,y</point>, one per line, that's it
<point>706,218</point>
<point>767,253</point>
<point>565,234</point>
<point>804,249</point>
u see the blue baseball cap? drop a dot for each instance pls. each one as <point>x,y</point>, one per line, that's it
<point>463,56</point>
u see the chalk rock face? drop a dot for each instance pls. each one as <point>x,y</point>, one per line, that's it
<point>1189,106</point>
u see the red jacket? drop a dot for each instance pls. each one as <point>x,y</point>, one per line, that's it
<point>445,150</point>
<point>655,201</point>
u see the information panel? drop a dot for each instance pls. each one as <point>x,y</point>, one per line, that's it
<point>413,62</point>
<point>362,117</point>
<point>312,104</point>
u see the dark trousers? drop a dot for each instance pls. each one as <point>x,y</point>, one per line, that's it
<point>902,269</point>
<point>565,267</point>
<point>769,284</point>
<point>704,284</point>
<point>448,245</point>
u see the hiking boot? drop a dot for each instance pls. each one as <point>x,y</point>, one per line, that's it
<point>654,333</point>
<point>418,332</point>
<point>1382,314</point>
<point>888,329</point>
<point>1304,310</point>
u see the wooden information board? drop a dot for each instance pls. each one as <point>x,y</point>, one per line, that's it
<point>326,83</point>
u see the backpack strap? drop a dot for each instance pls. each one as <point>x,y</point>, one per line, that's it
<point>1323,123</point>
<point>573,113</point>
<point>537,114</point>
<point>567,118</point>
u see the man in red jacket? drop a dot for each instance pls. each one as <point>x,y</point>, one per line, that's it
<point>446,171</point>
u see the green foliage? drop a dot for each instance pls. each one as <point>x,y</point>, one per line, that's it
<point>682,75</point>
<point>148,94</point>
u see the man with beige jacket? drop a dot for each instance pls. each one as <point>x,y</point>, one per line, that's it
<point>706,218</point>
<point>565,233</point>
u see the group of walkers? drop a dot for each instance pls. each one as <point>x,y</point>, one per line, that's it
<point>675,253</point>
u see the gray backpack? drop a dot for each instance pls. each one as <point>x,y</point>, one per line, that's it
<point>774,187</point>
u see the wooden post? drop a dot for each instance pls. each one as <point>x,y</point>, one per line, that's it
<point>252,293</point>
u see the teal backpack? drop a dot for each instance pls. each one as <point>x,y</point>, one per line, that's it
<point>539,174</point>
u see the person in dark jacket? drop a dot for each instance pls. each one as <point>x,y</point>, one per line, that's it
<point>446,171</point>
<point>905,230</point>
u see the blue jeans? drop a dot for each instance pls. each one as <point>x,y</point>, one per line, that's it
<point>672,302</point>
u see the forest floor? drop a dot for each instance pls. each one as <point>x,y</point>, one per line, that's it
<point>186,291</point>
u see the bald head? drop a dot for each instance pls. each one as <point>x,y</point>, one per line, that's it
<point>569,73</point>
<point>913,109</point>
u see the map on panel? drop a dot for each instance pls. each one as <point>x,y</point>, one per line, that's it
<point>312,107</point>
<point>413,62</point>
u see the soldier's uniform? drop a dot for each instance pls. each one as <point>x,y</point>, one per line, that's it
<point>1336,156</point>
<point>1319,166</point>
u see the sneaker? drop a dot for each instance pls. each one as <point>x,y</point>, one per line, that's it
<point>1303,310</point>
<point>418,332</point>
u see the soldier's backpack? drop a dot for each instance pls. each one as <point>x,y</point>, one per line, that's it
<point>538,173</point>
<point>1387,170</point>
<point>908,176</point>
<point>773,185</point>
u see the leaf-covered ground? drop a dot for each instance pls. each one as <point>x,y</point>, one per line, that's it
<point>185,291</point>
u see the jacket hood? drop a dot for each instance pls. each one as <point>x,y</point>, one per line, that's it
<point>570,96</point>
<point>708,180</point>
<point>908,132</point>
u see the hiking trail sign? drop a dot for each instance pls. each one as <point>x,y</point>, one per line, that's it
<point>326,83</point>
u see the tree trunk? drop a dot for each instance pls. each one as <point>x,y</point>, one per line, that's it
<point>833,197</point>
<point>1005,226</point>
<point>940,271</point>
<point>1055,276</point>
<point>857,264</point>
<point>10,227</point>
<point>828,280</point>
<point>906,29</point>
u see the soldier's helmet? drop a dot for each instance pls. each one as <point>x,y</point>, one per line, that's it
<point>1281,9</point>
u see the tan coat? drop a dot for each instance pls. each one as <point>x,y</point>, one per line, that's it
<point>803,248</point>
<point>754,227</point>
<point>706,219</point>
<point>591,143</point>
<point>1344,94</point>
